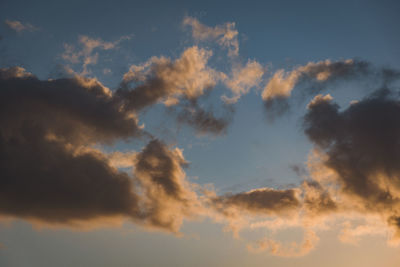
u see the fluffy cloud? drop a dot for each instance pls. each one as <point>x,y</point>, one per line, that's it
<point>361,145</point>
<point>52,175</point>
<point>44,177</point>
<point>175,83</point>
<point>243,78</point>
<point>161,78</point>
<point>169,197</point>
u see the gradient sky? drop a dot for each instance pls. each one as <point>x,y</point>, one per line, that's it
<point>263,141</point>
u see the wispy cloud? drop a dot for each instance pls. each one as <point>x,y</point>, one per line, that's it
<point>225,35</point>
<point>18,26</point>
<point>86,54</point>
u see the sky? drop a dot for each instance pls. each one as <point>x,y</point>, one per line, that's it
<point>199,133</point>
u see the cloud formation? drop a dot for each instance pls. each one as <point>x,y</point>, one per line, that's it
<point>225,35</point>
<point>44,175</point>
<point>169,197</point>
<point>314,77</point>
<point>85,54</point>
<point>52,174</point>
<point>180,83</point>
<point>242,79</point>
<point>18,26</point>
<point>361,145</point>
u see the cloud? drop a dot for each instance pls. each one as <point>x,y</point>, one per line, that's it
<point>361,145</point>
<point>169,197</point>
<point>262,200</point>
<point>45,176</point>
<point>292,250</point>
<point>281,84</point>
<point>85,54</point>
<point>316,76</point>
<point>243,78</point>
<point>204,121</point>
<point>19,26</point>
<point>175,83</point>
<point>225,35</point>
<point>52,174</point>
<point>159,78</point>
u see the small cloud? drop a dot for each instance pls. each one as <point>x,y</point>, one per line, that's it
<point>88,51</point>
<point>225,35</point>
<point>18,26</point>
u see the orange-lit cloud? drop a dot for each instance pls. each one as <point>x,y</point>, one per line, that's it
<point>225,35</point>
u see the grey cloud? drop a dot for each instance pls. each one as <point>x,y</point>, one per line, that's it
<point>44,175</point>
<point>362,145</point>
<point>51,174</point>
<point>264,201</point>
<point>313,77</point>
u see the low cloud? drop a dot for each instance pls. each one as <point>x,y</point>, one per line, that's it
<point>44,175</point>
<point>361,145</point>
<point>52,174</point>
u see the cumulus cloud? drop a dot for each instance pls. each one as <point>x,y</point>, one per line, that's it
<point>225,35</point>
<point>181,81</point>
<point>360,145</point>
<point>44,176</point>
<point>18,26</point>
<point>161,78</point>
<point>242,79</point>
<point>52,174</point>
<point>169,197</point>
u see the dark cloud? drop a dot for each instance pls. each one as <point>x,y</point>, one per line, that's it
<point>263,201</point>
<point>204,121</point>
<point>362,144</point>
<point>276,107</point>
<point>51,173</point>
<point>44,174</point>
